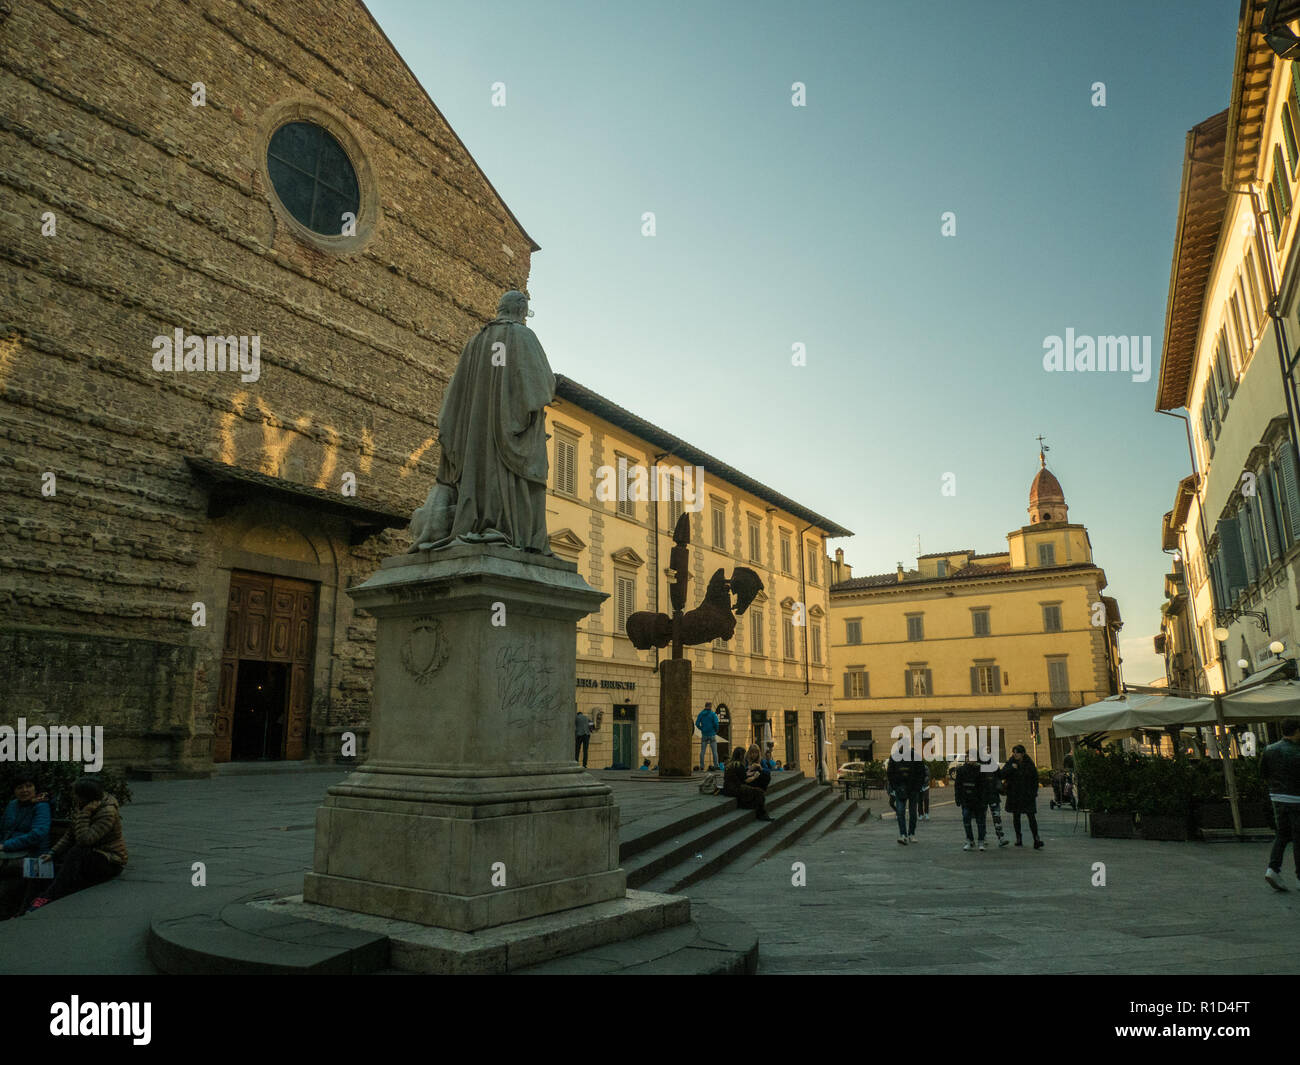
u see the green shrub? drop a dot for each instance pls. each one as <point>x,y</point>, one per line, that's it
<point>57,779</point>
<point>1044,777</point>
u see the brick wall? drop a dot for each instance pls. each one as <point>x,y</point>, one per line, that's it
<point>163,221</point>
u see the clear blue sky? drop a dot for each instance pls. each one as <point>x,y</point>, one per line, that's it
<point>821,225</point>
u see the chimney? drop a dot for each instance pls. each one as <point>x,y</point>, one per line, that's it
<point>839,564</point>
<point>900,573</point>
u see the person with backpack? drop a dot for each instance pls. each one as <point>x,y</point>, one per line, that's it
<point>903,776</point>
<point>1022,792</point>
<point>971,797</point>
<point>707,722</point>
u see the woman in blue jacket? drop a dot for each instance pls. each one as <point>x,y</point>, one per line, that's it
<point>24,833</point>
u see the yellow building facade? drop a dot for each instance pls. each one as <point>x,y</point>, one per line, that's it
<point>968,640</point>
<point>617,486</point>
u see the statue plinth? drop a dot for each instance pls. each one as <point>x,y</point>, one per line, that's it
<point>675,725</point>
<point>471,811</point>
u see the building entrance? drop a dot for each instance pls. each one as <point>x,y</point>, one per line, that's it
<point>264,697</point>
<point>624,737</point>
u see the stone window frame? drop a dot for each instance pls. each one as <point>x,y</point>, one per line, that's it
<point>718,505</point>
<point>336,125</point>
<point>848,632</point>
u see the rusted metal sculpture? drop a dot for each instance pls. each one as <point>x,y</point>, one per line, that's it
<point>713,619</point>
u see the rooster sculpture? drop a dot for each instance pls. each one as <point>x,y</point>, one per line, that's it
<point>713,619</point>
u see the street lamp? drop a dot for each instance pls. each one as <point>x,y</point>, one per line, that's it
<point>1277,647</point>
<point>1221,634</point>
<point>1242,664</point>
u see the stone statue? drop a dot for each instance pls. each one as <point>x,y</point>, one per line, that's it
<point>491,483</point>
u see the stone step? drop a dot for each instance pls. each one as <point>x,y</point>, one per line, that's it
<point>693,835</point>
<point>714,943</point>
<point>795,828</point>
<point>727,848</point>
<point>651,832</point>
<point>1227,835</point>
<point>850,811</point>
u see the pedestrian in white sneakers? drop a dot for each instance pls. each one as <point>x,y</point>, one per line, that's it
<point>971,798</point>
<point>1280,766</point>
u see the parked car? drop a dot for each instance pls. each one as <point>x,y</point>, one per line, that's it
<point>851,771</point>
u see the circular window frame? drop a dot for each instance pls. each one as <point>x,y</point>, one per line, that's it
<point>367,191</point>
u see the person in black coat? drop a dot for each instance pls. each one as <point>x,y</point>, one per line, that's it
<point>734,783</point>
<point>1022,792</point>
<point>904,777</point>
<point>971,788</point>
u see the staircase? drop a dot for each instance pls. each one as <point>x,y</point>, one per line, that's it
<point>670,857</point>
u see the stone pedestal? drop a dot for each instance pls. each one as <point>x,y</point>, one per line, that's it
<point>676,725</point>
<point>471,811</point>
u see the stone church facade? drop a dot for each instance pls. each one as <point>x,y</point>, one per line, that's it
<point>186,184</point>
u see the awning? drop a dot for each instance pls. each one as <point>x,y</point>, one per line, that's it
<point>1121,713</point>
<point>228,486</point>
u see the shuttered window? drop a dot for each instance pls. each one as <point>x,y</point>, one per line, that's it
<point>1271,515</point>
<point>916,627</point>
<point>1058,681</point>
<point>625,601</point>
<point>1248,556</point>
<point>755,542</point>
<point>916,681</point>
<point>1047,554</point>
<point>566,464</point>
<point>626,506</point>
<point>1051,618</point>
<point>787,633</point>
<point>720,526</point>
<point>1290,492</point>
<point>815,632</point>
<point>785,553</point>
<point>1239,331</point>
<point>855,684</point>
<point>756,632</point>
<point>1256,289</point>
<point>985,679</point>
<point>814,555</point>
<point>1288,138</point>
<point>673,492</point>
<point>980,622</point>
<point>1231,559</point>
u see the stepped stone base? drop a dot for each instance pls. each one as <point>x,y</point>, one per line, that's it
<point>419,948</point>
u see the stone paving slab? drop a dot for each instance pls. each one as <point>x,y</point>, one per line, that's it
<point>872,906</point>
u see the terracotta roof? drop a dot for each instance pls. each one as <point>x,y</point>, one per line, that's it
<point>998,569</point>
<point>945,554</point>
<point>1201,206</point>
<point>1045,489</point>
<point>569,389</point>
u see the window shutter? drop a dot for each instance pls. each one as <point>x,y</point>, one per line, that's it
<point>997,680</point>
<point>1273,215</point>
<point>847,687</point>
<point>1268,506</point>
<point>1290,492</point>
<point>1234,563</point>
<point>929,687</point>
<point>866,685</point>
<point>907,681</point>
<point>974,680</point>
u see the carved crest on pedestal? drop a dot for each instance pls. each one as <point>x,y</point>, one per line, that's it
<point>425,650</point>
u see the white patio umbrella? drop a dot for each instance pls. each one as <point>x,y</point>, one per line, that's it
<point>1122,713</point>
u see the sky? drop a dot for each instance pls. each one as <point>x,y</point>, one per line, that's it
<point>822,225</point>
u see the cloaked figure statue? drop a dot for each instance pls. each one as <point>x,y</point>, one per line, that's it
<point>491,484</point>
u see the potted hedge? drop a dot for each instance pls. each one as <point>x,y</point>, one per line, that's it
<point>1161,797</point>
<point>1105,790</point>
<point>1210,807</point>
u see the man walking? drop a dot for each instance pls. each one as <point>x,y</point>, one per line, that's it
<point>581,737</point>
<point>903,776</point>
<point>1280,766</point>
<point>971,796</point>
<point>707,723</point>
<point>1022,792</point>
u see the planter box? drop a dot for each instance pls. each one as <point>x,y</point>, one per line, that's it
<point>1163,826</point>
<point>1112,826</point>
<point>1219,815</point>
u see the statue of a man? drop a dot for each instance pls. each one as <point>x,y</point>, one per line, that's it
<point>491,485</point>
